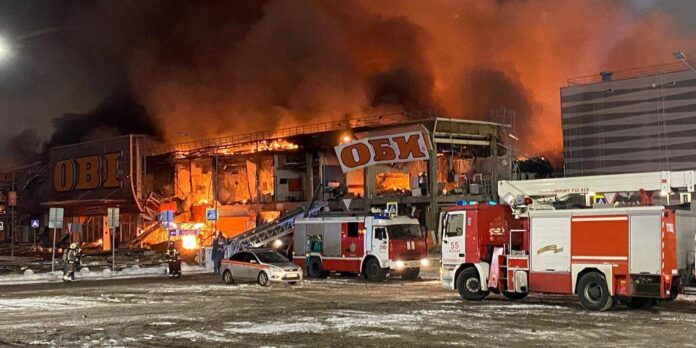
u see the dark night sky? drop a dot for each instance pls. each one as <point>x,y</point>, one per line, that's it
<point>85,55</point>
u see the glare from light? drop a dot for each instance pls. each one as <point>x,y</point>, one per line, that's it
<point>5,49</point>
<point>425,262</point>
<point>399,264</point>
<point>277,243</point>
<point>346,138</point>
<point>189,242</point>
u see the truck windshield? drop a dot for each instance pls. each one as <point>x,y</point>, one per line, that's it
<point>271,257</point>
<point>404,231</point>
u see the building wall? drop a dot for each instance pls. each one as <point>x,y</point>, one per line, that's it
<point>631,125</point>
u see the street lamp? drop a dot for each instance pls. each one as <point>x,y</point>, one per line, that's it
<point>680,56</point>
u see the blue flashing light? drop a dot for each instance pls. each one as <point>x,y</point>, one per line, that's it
<point>492,203</point>
<point>473,202</point>
<point>461,202</point>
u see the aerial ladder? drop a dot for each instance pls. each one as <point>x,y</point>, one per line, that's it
<point>541,193</point>
<point>283,226</point>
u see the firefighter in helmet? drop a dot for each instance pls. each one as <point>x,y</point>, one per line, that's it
<point>71,261</point>
<point>173,258</point>
<point>218,251</point>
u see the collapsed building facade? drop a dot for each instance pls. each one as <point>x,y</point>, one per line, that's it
<point>253,178</point>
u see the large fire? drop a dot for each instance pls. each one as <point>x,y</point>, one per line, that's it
<point>339,59</point>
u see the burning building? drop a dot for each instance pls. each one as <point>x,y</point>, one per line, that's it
<point>254,178</point>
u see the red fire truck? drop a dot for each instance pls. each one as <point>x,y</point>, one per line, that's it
<point>371,245</point>
<point>602,254</point>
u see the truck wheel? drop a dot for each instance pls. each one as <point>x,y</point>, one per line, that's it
<point>262,279</point>
<point>515,295</point>
<point>315,270</point>
<point>594,293</point>
<point>227,277</point>
<point>374,272</point>
<point>410,274</point>
<point>638,302</point>
<point>469,285</point>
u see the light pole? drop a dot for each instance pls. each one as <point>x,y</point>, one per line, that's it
<point>680,56</point>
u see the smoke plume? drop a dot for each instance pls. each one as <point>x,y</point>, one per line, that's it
<point>210,68</point>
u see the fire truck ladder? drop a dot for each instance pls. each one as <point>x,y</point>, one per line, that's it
<point>266,233</point>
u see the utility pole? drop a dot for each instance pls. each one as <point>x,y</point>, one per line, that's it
<point>12,211</point>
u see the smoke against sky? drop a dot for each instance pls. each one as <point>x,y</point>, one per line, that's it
<point>208,68</point>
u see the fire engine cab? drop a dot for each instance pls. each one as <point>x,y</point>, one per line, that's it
<point>601,254</point>
<point>371,245</point>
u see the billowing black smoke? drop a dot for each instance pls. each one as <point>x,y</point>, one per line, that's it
<point>120,114</point>
<point>484,90</point>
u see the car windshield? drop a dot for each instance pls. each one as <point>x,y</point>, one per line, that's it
<point>271,257</point>
<point>404,231</point>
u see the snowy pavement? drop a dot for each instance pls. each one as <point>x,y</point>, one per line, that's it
<point>201,311</point>
<point>29,277</point>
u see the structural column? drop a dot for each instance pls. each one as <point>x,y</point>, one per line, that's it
<point>309,176</point>
<point>494,167</point>
<point>433,213</point>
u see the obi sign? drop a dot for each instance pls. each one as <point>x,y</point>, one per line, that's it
<point>87,173</point>
<point>388,148</point>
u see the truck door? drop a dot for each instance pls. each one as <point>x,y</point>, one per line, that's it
<point>453,237</point>
<point>380,243</point>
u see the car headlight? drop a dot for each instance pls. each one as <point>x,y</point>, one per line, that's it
<point>399,264</point>
<point>425,262</point>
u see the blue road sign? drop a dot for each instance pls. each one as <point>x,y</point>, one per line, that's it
<point>166,216</point>
<point>211,214</point>
<point>35,223</point>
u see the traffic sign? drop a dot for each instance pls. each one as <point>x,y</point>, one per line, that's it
<point>166,216</point>
<point>112,217</point>
<point>392,208</point>
<point>12,198</point>
<point>35,223</point>
<point>55,218</point>
<point>211,214</point>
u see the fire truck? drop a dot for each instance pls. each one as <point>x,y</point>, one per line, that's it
<point>372,245</point>
<point>550,236</point>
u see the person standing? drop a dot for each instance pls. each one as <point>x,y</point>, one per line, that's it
<point>173,261</point>
<point>218,252</point>
<point>71,261</point>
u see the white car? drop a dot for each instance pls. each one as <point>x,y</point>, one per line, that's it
<point>260,265</point>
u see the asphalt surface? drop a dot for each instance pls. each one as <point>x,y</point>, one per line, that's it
<point>200,311</point>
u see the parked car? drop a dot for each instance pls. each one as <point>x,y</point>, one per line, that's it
<point>260,265</point>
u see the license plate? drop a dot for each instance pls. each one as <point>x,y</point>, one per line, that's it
<point>294,276</point>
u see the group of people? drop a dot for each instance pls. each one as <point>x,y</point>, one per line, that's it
<point>72,258</point>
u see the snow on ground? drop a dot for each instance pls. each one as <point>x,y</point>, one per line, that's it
<point>49,303</point>
<point>195,336</point>
<point>307,325</point>
<point>86,274</point>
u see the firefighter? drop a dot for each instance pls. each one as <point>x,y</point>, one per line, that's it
<point>71,261</point>
<point>218,252</point>
<point>173,261</point>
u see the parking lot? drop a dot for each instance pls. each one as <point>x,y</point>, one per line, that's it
<point>201,311</point>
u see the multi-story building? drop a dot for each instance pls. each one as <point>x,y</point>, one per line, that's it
<point>631,121</point>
